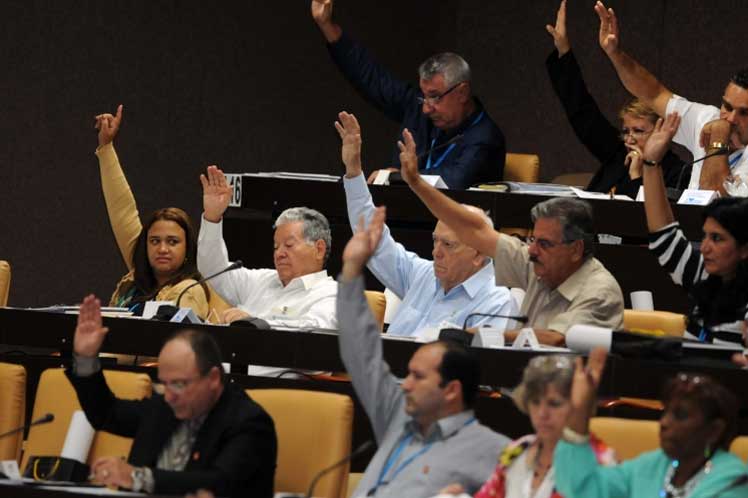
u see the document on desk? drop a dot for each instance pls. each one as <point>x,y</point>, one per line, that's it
<point>583,194</point>
<point>70,487</point>
<point>315,177</point>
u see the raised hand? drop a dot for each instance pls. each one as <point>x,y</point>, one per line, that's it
<point>322,11</point>
<point>363,243</point>
<point>350,135</point>
<point>558,32</point>
<point>216,194</point>
<point>108,126</point>
<point>608,36</point>
<point>659,141</point>
<point>89,332</point>
<point>408,158</point>
<point>584,388</point>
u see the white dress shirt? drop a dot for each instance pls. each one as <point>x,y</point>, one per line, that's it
<point>306,302</point>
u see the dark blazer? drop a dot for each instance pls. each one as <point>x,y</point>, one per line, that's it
<point>600,137</point>
<point>234,453</point>
<point>477,158</point>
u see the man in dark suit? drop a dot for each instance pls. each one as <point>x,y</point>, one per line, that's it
<point>196,432</point>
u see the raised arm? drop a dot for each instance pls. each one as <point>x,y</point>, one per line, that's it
<point>120,203</point>
<point>656,205</point>
<point>558,31</point>
<point>637,80</point>
<point>322,15</point>
<point>470,227</point>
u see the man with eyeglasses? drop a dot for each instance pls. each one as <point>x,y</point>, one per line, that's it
<point>426,431</point>
<point>564,283</point>
<point>196,432</point>
<point>440,111</point>
<point>435,294</point>
<point>704,130</point>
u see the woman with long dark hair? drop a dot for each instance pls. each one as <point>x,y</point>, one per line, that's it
<point>161,255</point>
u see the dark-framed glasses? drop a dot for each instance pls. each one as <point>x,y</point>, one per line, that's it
<point>435,99</point>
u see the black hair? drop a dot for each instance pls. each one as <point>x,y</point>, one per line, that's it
<point>460,364</point>
<point>741,78</point>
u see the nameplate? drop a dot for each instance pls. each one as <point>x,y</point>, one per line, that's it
<point>235,182</point>
<point>10,469</point>
<point>488,337</point>
<point>526,339</point>
<point>695,197</point>
<point>185,315</point>
<point>383,177</point>
<point>435,181</point>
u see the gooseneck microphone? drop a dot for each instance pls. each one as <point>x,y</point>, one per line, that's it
<point>233,266</point>
<point>454,139</point>
<point>516,318</point>
<point>41,420</point>
<point>358,451</point>
<point>674,193</point>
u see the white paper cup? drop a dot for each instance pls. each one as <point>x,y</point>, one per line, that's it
<point>642,301</point>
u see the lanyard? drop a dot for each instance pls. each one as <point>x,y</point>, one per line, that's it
<point>731,162</point>
<point>396,454</point>
<point>452,146</point>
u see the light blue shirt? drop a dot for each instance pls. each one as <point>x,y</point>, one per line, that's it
<point>412,279</point>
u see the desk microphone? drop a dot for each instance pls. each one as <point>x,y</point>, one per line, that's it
<point>357,452</point>
<point>464,337</point>
<point>674,193</point>
<point>233,266</point>
<point>42,420</point>
<point>396,178</point>
<point>166,311</point>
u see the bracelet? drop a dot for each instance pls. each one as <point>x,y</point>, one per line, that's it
<point>649,163</point>
<point>571,436</point>
<point>715,146</point>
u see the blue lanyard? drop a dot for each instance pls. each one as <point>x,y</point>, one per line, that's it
<point>452,146</point>
<point>396,454</point>
<point>735,159</point>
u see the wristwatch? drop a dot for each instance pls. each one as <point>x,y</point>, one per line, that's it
<point>716,145</point>
<point>649,163</point>
<point>138,478</point>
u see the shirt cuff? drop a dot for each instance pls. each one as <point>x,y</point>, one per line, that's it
<point>355,187</point>
<point>84,366</point>
<point>210,229</point>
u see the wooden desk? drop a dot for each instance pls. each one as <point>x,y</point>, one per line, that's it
<point>248,230</point>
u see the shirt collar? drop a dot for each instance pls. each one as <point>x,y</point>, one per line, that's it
<point>309,280</point>
<point>445,427</point>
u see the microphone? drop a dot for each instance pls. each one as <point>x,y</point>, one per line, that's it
<point>355,453</point>
<point>42,420</point>
<point>233,266</point>
<point>465,338</point>
<point>397,179</point>
<point>454,139</point>
<point>166,311</point>
<point>674,193</point>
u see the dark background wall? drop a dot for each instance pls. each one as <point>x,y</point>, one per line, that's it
<point>248,85</point>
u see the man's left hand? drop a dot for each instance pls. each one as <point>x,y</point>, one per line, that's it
<point>113,472</point>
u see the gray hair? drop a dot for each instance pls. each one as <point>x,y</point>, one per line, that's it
<point>540,373</point>
<point>453,67</point>
<point>574,216</point>
<point>316,226</point>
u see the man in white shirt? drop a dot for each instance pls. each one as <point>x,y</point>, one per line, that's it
<point>704,129</point>
<point>298,293</point>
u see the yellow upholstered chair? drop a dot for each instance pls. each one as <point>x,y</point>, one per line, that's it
<point>314,432</point>
<point>353,479</point>
<point>12,409</point>
<point>216,306</point>
<point>661,323</point>
<point>55,395</point>
<point>4,282</point>
<point>739,447</point>
<point>522,168</point>
<point>377,303</point>
<point>627,436</point>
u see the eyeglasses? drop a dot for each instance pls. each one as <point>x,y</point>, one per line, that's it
<point>435,99</point>
<point>635,133</point>
<point>546,244</point>
<point>175,386</point>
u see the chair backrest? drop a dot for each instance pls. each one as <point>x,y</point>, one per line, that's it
<point>654,322</point>
<point>739,447</point>
<point>377,304</point>
<point>12,409</point>
<point>522,168</point>
<point>216,305</point>
<point>627,437</point>
<point>574,179</point>
<point>314,431</point>
<point>55,395</point>
<point>4,282</point>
